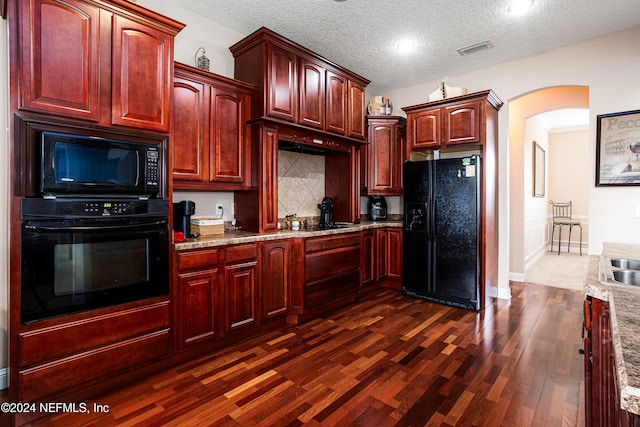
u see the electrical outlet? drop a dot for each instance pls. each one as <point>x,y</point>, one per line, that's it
<point>219,210</point>
<point>637,211</point>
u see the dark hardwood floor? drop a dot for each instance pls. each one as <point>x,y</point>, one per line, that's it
<point>387,360</point>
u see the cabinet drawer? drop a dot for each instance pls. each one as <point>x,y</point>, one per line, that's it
<point>62,340</point>
<point>197,259</point>
<point>92,365</point>
<point>241,253</point>
<point>323,264</point>
<point>331,242</point>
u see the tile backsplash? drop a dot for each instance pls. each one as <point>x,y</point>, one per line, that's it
<point>300,184</point>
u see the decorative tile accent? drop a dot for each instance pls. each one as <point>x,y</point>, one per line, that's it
<point>300,184</point>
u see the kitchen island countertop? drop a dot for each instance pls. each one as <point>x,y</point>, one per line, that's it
<point>624,301</point>
<point>239,236</point>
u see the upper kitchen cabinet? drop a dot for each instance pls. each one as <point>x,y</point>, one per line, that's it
<point>382,158</point>
<point>299,86</point>
<point>210,138</point>
<point>107,63</point>
<point>450,122</point>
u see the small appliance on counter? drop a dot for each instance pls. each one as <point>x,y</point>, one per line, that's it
<point>326,214</point>
<point>377,208</point>
<point>182,212</point>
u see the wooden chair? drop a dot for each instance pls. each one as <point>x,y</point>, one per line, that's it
<point>562,216</point>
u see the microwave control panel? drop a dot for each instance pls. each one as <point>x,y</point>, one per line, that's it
<point>152,167</point>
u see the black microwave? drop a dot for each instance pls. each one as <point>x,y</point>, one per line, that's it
<point>75,165</point>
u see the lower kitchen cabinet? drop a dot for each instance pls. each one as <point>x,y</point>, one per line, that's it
<point>367,259</point>
<point>198,297</point>
<point>276,300</point>
<point>381,258</point>
<point>329,276</point>
<point>394,258</point>
<point>240,286</point>
<point>602,391</point>
<point>59,357</point>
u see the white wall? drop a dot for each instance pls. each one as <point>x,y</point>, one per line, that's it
<point>603,64</point>
<point>535,208</point>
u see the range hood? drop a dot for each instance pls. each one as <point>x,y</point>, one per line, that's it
<point>317,150</point>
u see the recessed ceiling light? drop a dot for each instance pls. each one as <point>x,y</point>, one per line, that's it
<point>519,7</point>
<point>405,46</point>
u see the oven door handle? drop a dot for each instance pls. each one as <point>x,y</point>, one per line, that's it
<point>93,227</point>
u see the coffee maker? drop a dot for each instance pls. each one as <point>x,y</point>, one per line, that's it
<point>377,208</point>
<point>182,212</point>
<point>326,214</point>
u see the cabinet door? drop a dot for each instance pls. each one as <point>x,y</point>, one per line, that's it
<point>311,94</point>
<point>282,87</point>
<point>141,75</point>
<point>336,108</point>
<point>59,58</point>
<point>383,152</point>
<point>190,131</point>
<point>394,254</point>
<point>355,110</point>
<point>461,124</point>
<point>198,307</point>
<point>240,295</point>
<point>229,147</point>
<point>275,279</point>
<point>382,254</point>
<point>423,130</point>
<point>367,259</point>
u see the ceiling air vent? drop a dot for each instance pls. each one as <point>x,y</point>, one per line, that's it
<point>475,48</point>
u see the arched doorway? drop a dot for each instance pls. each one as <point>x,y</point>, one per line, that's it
<point>520,196</point>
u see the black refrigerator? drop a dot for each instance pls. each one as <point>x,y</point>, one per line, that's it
<point>441,234</point>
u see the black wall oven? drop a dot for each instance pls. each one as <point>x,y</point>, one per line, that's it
<point>94,217</point>
<point>81,254</point>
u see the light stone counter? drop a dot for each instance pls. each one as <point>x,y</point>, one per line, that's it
<point>236,237</point>
<point>624,303</point>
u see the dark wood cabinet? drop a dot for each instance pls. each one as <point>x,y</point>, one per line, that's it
<point>367,259</point>
<point>257,208</point>
<point>299,86</point>
<point>424,129</point>
<point>240,286</point>
<point>355,115</point>
<point>450,122</point>
<point>276,289</point>
<point>466,123</point>
<point>328,275</point>
<point>394,257</point>
<point>382,254</point>
<point>198,303</point>
<point>312,99</point>
<point>115,67</point>
<point>382,158</point>
<point>602,390</point>
<point>198,297</point>
<point>381,258</point>
<point>59,357</point>
<point>211,141</point>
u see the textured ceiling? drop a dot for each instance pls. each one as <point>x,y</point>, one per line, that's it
<point>361,35</point>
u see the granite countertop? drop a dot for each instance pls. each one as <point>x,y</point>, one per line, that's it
<point>624,301</point>
<point>239,236</point>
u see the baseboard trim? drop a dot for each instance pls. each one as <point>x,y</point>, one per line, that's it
<point>517,277</point>
<point>4,380</point>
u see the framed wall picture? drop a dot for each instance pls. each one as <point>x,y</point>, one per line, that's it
<point>618,149</point>
<point>538,170</point>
